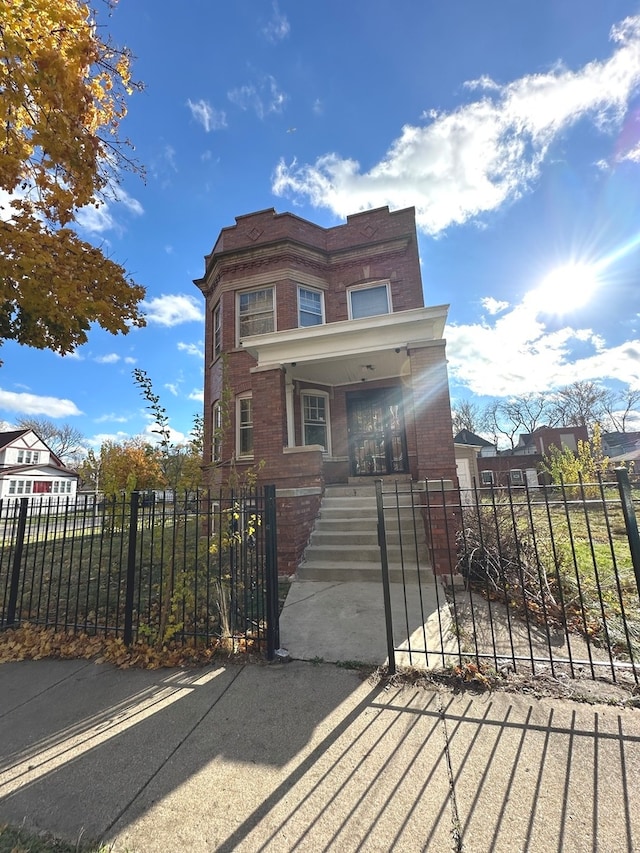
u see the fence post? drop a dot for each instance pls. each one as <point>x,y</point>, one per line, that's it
<point>131,569</point>
<point>630,520</point>
<point>271,572</point>
<point>386,593</point>
<point>17,560</point>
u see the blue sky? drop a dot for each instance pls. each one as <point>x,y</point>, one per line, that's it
<point>513,128</point>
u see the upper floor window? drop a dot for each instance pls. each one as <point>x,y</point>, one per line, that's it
<point>245,425</point>
<point>486,478</point>
<point>28,457</point>
<point>255,312</point>
<point>310,307</point>
<point>217,330</point>
<point>369,301</point>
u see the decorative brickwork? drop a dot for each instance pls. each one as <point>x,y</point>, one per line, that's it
<point>379,401</point>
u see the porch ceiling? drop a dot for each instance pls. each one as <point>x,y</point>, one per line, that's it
<point>351,350</point>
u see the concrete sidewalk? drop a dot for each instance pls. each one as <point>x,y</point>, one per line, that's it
<point>309,757</point>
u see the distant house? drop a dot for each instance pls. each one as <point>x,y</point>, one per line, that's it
<point>521,464</point>
<point>30,469</point>
<point>621,446</point>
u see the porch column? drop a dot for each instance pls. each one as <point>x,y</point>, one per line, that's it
<point>436,453</point>
<point>291,428</point>
<point>269,418</point>
<point>432,411</point>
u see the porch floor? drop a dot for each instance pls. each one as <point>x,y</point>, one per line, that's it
<point>345,621</point>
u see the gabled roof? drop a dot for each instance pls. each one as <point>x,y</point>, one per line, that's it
<point>465,436</point>
<point>7,438</point>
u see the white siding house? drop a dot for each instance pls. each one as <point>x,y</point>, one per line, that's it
<point>29,469</point>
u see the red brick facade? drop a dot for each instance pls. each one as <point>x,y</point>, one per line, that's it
<point>356,368</point>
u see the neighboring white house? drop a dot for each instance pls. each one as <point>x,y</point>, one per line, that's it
<point>28,468</point>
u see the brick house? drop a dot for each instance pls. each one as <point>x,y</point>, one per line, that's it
<point>322,364</point>
<point>521,464</point>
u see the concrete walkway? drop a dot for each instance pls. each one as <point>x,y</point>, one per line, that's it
<point>309,757</point>
<point>345,621</point>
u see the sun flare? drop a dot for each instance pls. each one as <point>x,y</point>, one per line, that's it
<point>567,287</point>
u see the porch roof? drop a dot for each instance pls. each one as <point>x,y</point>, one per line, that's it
<point>350,350</point>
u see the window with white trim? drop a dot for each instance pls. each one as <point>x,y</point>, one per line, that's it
<point>55,487</point>
<point>20,490</point>
<point>310,307</point>
<point>12,487</point>
<point>256,314</point>
<point>369,301</point>
<point>216,447</point>
<point>315,419</point>
<point>486,478</point>
<point>217,330</point>
<point>20,456</point>
<point>27,487</point>
<point>517,478</point>
<point>35,456</point>
<point>245,425</point>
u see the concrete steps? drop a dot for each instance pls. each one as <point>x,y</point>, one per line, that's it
<point>344,542</point>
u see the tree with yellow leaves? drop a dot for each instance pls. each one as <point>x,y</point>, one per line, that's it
<point>62,95</point>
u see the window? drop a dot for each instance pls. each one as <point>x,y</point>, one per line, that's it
<point>255,312</point>
<point>216,449</point>
<point>20,456</point>
<point>35,456</point>
<point>20,487</point>
<point>42,486</point>
<point>487,478</point>
<point>245,426</point>
<point>516,477</point>
<point>217,330</point>
<point>55,487</point>
<point>310,305</point>
<point>315,420</point>
<point>369,301</point>
<point>27,487</point>
<point>12,487</point>
<point>68,487</point>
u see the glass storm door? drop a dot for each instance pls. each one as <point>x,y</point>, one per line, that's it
<point>376,433</point>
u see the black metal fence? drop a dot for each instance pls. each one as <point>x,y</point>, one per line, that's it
<point>545,579</point>
<point>196,569</point>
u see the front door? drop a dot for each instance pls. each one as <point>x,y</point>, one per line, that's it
<point>377,442</point>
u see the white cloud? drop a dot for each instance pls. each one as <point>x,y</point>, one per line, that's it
<point>278,27</point>
<point>207,116</point>
<point>111,358</point>
<point>96,441</point>
<point>518,353</point>
<point>151,434</point>
<point>95,220</point>
<point>172,388</point>
<point>493,306</point>
<point>192,349</point>
<point>171,310</point>
<point>98,217</point>
<point>32,404</point>
<point>111,418</point>
<point>265,97</point>
<point>129,360</point>
<point>488,152</point>
<point>197,394</point>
